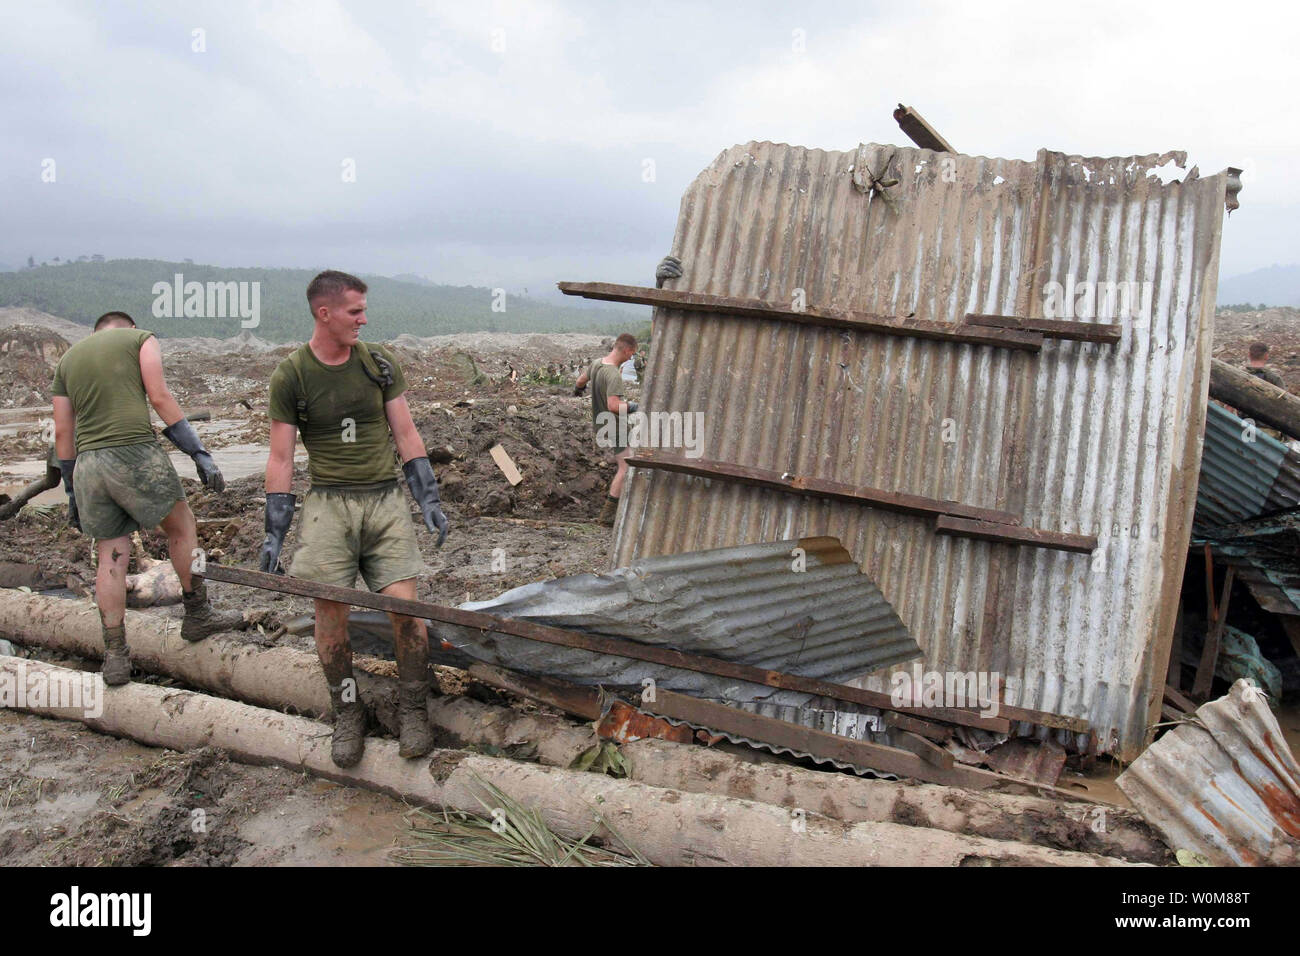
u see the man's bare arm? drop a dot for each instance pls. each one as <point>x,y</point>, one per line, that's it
<point>65,428</point>
<point>155,385</point>
<point>279,463</point>
<point>405,435</point>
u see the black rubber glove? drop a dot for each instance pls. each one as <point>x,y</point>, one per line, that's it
<point>633,407</point>
<point>184,437</point>
<point>424,489</point>
<point>66,465</point>
<point>670,267</point>
<point>279,515</point>
<point>579,390</point>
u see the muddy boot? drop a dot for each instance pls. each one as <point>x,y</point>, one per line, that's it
<point>200,620</point>
<point>609,511</point>
<point>349,728</point>
<point>117,659</point>
<point>413,718</point>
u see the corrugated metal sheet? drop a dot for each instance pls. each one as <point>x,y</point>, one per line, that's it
<point>1242,479</point>
<point>1083,438</point>
<point>1224,785</point>
<point>744,604</point>
<point>1266,552</point>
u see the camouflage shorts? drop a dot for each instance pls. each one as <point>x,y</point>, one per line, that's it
<point>124,488</point>
<point>342,533</point>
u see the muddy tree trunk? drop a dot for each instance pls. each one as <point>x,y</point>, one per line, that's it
<point>1255,398</point>
<point>282,678</point>
<point>668,827</point>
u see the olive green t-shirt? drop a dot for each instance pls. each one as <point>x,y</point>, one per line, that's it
<point>1268,373</point>
<point>100,375</point>
<point>606,380</point>
<point>339,412</point>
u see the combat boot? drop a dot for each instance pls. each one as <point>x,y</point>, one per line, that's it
<point>117,659</point>
<point>349,727</point>
<point>413,718</point>
<point>200,619</point>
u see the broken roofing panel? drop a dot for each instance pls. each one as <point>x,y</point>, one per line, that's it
<point>810,612</point>
<point>1082,437</point>
<point>1223,784</point>
<point>1245,473</point>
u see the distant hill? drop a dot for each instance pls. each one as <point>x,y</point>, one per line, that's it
<point>1273,286</point>
<point>82,291</point>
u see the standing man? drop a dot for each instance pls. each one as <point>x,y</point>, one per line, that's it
<point>348,400</point>
<point>1257,365</point>
<point>124,481</point>
<point>608,407</point>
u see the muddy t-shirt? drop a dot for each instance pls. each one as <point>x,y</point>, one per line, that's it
<point>339,412</point>
<point>605,380</point>
<point>100,375</point>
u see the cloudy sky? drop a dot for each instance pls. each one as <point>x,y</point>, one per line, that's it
<point>504,144</point>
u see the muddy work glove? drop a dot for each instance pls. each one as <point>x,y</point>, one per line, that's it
<point>184,437</point>
<point>579,390</point>
<point>424,489</point>
<point>279,515</point>
<point>670,267</point>
<point>65,466</point>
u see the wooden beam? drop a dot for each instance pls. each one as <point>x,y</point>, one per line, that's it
<point>919,131</point>
<point>1099,332</point>
<point>597,644</point>
<point>1176,697</point>
<point>829,318</point>
<point>709,715</point>
<point>1006,534</point>
<point>1213,638</point>
<point>1255,398</point>
<point>816,487</point>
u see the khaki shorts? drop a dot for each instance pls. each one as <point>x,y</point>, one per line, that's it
<point>124,488</point>
<point>345,532</point>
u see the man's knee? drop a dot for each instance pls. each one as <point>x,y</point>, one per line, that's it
<point>179,519</point>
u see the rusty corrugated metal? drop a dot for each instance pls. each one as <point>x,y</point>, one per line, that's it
<point>1224,785</point>
<point>1083,438</point>
<point>1240,478</point>
<point>747,604</point>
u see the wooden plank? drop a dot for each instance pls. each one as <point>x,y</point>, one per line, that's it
<point>1213,639</point>
<point>709,715</point>
<point>827,318</point>
<point>1007,534</point>
<point>816,487</point>
<point>931,753</point>
<point>1100,332</point>
<point>596,644</point>
<point>919,131</point>
<point>1179,700</point>
<point>939,733</point>
<point>584,702</point>
<point>506,464</point>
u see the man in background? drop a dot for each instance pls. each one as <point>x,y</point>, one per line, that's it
<point>608,407</point>
<point>124,482</point>
<point>348,400</point>
<point>1257,365</point>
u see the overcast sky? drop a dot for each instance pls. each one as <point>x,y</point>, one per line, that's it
<point>503,144</point>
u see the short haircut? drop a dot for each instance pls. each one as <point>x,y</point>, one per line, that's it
<point>1258,350</point>
<point>627,340</point>
<point>108,318</point>
<point>330,284</point>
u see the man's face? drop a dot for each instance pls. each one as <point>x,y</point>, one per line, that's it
<point>343,317</point>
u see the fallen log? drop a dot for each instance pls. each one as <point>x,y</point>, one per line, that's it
<point>1255,398</point>
<point>284,678</point>
<point>667,827</point>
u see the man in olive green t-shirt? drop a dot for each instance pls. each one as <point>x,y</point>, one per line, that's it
<point>102,388</point>
<point>607,409</point>
<point>1257,365</point>
<point>347,399</point>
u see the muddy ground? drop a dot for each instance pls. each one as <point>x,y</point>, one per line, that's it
<point>71,796</point>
